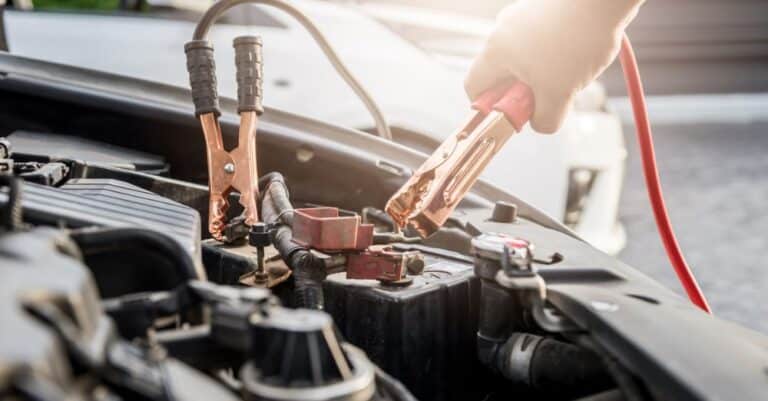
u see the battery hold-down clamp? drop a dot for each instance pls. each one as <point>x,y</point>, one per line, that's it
<point>514,260</point>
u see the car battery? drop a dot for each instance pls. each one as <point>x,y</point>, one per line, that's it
<point>423,333</point>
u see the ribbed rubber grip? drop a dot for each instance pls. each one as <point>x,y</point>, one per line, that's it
<point>248,61</point>
<point>202,76</point>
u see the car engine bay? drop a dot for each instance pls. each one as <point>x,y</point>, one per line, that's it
<point>121,280</point>
<point>129,277</point>
<point>114,289</point>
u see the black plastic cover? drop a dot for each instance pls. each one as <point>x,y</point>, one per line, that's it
<point>48,147</point>
<point>111,203</point>
<point>40,269</point>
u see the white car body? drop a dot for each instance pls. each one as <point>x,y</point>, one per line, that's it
<point>422,98</point>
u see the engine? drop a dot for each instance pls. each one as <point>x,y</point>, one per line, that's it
<point>112,290</point>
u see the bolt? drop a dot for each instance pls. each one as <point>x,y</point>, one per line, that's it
<point>415,264</point>
<point>517,258</point>
<point>229,168</point>
<point>504,212</point>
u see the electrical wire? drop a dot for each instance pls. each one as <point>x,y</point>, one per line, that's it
<point>216,10</point>
<point>651,172</point>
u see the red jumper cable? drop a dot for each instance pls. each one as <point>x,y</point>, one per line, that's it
<point>651,172</point>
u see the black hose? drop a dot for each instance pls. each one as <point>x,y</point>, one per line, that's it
<point>308,270</point>
<point>11,215</point>
<point>569,367</point>
<point>275,199</point>
<point>554,367</point>
<point>392,387</point>
<point>630,387</point>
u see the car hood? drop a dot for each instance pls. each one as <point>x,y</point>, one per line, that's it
<point>416,92</point>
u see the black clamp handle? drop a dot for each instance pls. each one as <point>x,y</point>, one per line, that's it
<point>202,76</point>
<point>248,62</point>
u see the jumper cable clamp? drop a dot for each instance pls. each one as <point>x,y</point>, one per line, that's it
<point>234,170</point>
<point>429,197</point>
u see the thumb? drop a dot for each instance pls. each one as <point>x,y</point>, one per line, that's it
<point>550,110</point>
<point>483,75</point>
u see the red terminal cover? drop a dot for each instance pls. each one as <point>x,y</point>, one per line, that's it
<point>323,229</point>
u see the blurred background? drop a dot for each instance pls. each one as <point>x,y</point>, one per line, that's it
<point>704,64</point>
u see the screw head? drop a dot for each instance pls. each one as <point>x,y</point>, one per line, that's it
<point>517,257</point>
<point>229,168</point>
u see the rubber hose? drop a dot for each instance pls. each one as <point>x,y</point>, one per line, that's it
<point>629,386</point>
<point>308,270</point>
<point>559,364</point>
<point>392,387</point>
<point>276,199</point>
<point>552,366</point>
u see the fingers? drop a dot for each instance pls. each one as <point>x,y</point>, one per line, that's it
<point>556,47</point>
<point>551,106</point>
<point>492,66</point>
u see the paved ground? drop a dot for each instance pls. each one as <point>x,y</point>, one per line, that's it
<point>715,180</point>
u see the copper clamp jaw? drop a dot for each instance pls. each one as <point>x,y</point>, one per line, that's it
<point>429,197</point>
<point>234,170</point>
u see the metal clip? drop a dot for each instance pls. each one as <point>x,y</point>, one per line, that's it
<point>233,170</point>
<point>429,197</point>
<point>228,171</point>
